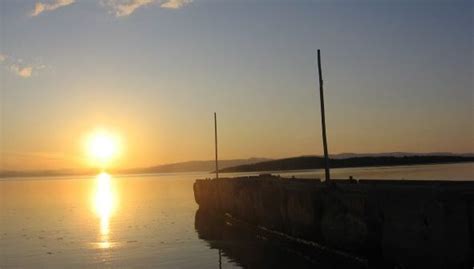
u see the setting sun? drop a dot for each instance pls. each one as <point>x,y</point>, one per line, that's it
<point>103,147</point>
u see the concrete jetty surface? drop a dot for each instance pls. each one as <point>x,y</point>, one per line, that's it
<point>409,224</point>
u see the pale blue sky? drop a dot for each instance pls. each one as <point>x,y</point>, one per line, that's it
<point>398,77</point>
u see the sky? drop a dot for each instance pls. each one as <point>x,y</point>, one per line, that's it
<point>398,76</point>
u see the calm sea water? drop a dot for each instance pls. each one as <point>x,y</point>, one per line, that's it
<point>145,221</point>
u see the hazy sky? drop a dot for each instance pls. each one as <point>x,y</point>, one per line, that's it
<point>398,77</point>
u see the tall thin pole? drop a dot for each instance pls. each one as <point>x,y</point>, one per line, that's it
<point>323,120</point>
<point>215,140</point>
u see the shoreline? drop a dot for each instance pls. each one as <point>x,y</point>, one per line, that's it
<point>27,176</point>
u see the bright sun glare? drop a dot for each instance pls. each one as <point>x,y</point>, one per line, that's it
<point>103,147</point>
<point>104,204</point>
<point>104,201</point>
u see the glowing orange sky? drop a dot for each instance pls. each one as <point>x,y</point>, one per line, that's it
<point>397,78</point>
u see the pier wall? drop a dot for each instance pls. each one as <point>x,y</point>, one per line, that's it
<point>408,223</point>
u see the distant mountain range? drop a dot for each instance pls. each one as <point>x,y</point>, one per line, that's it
<point>397,154</point>
<point>265,164</point>
<point>350,160</point>
<point>190,166</point>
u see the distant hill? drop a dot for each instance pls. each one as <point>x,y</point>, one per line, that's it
<point>48,173</point>
<point>317,162</point>
<point>264,164</point>
<point>397,154</point>
<point>192,166</point>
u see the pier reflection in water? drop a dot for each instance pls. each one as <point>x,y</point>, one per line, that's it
<point>254,248</point>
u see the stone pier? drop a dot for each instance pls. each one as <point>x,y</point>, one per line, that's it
<point>395,223</point>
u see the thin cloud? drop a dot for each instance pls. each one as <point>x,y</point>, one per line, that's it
<point>42,7</point>
<point>22,71</point>
<point>18,67</point>
<point>13,160</point>
<point>175,4</point>
<point>123,8</point>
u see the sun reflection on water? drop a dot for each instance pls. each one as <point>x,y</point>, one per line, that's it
<point>105,202</point>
